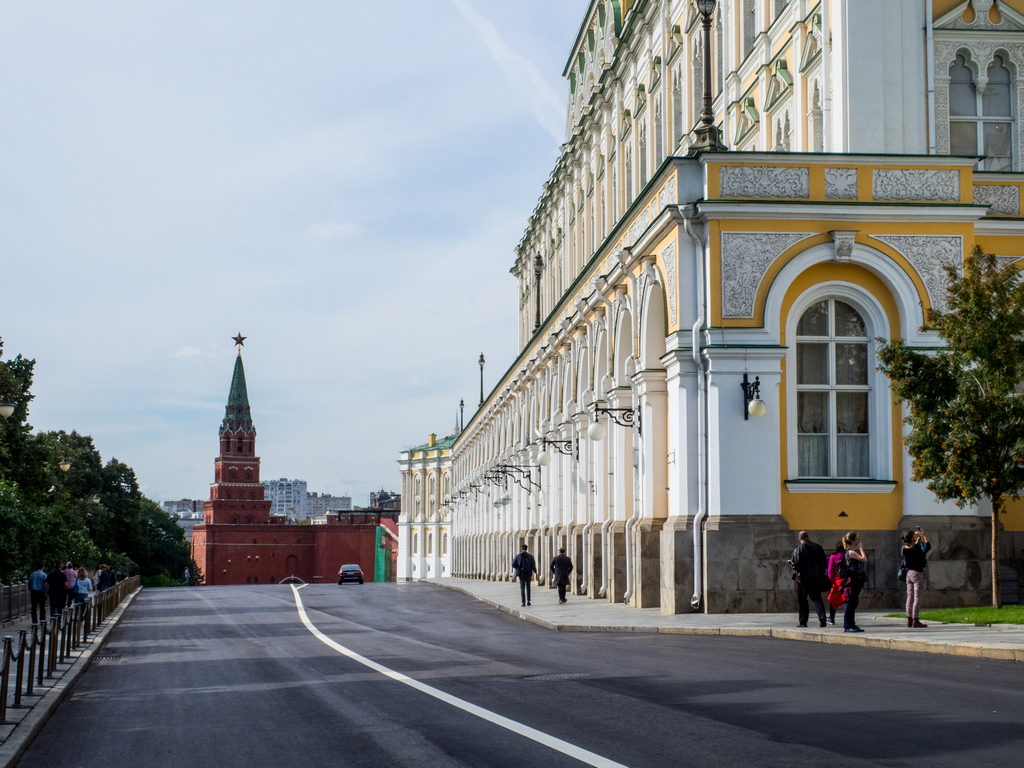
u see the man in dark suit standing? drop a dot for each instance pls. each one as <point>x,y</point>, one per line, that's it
<point>524,567</point>
<point>561,567</point>
<point>811,568</point>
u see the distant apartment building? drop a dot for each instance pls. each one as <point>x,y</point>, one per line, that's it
<point>322,504</point>
<point>287,498</point>
<point>184,508</point>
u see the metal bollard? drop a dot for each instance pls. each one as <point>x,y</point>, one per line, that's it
<point>30,684</point>
<point>5,672</point>
<point>19,675</point>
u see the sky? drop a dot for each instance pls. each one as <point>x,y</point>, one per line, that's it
<point>344,183</point>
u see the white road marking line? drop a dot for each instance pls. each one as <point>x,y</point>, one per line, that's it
<point>533,734</point>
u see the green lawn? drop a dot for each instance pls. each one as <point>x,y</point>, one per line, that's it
<point>1009,614</point>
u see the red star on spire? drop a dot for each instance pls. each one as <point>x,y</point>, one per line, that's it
<point>239,340</point>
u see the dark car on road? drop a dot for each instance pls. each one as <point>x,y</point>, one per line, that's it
<point>350,573</point>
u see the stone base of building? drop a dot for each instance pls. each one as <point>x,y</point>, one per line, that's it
<point>746,569</point>
<point>677,569</point>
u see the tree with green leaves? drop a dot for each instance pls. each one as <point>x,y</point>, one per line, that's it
<point>966,418</point>
<point>91,513</point>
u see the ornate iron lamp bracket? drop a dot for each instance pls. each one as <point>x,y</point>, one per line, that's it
<point>565,447</point>
<point>751,391</point>
<point>624,417</point>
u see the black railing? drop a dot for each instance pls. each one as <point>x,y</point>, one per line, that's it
<point>14,601</point>
<point>39,649</point>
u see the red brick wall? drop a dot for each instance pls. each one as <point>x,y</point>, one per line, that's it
<point>227,555</point>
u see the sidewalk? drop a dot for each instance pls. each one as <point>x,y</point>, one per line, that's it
<point>23,724</point>
<point>582,614</point>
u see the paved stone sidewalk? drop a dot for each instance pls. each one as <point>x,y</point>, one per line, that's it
<point>582,614</point>
<point>23,724</point>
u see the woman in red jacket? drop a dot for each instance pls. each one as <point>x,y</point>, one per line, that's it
<point>835,596</point>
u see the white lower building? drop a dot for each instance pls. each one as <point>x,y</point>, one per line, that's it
<point>424,527</point>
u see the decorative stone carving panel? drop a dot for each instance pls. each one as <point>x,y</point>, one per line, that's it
<point>746,257</point>
<point>912,184</point>
<point>668,256</point>
<point>762,181</point>
<point>640,225</point>
<point>668,194</point>
<point>841,183</point>
<point>842,244</point>
<point>1002,198</point>
<point>929,255</point>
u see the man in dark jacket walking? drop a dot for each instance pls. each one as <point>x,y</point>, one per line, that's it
<point>524,566</point>
<point>561,567</point>
<point>811,569</point>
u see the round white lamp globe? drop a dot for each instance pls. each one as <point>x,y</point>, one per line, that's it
<point>757,408</point>
<point>543,458</point>
<point>597,431</point>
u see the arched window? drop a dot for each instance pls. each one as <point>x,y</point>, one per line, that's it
<point>628,172</point>
<point>642,152</point>
<point>659,133</point>
<point>749,26</point>
<point>832,392</point>
<point>981,123</point>
<point>677,107</point>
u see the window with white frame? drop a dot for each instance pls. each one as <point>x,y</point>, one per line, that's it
<point>981,119</point>
<point>832,392</point>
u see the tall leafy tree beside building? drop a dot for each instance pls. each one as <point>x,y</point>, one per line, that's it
<point>93,512</point>
<point>966,413</point>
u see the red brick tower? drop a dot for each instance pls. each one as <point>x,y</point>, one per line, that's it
<point>236,496</point>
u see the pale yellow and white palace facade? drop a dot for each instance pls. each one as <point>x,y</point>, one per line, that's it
<point>424,525</point>
<point>653,285</point>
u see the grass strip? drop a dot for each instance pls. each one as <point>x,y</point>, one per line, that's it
<point>1008,614</point>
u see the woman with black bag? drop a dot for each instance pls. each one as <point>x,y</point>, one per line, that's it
<point>856,576</point>
<point>915,549</point>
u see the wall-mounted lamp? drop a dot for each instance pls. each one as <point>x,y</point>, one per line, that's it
<point>624,417</point>
<point>565,447</point>
<point>753,405</point>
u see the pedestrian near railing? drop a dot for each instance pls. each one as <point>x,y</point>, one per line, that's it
<point>34,655</point>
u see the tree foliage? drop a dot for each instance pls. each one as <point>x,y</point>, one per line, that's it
<point>90,514</point>
<point>966,416</point>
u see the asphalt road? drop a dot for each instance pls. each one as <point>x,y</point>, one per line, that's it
<point>230,676</point>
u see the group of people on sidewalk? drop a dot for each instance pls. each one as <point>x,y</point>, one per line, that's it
<point>844,575</point>
<point>524,567</point>
<point>64,586</point>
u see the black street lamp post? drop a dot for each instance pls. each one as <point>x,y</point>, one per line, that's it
<point>707,136</point>
<point>481,378</point>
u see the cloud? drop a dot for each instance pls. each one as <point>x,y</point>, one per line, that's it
<point>546,105</point>
<point>189,352</point>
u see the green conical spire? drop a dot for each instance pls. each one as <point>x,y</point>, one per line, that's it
<point>237,415</point>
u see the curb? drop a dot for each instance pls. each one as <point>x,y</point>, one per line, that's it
<point>22,736</point>
<point>999,652</point>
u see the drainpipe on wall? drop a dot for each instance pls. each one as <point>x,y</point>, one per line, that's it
<point>929,59</point>
<point>635,517</point>
<point>700,517</point>
<point>826,74</point>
